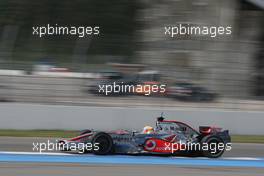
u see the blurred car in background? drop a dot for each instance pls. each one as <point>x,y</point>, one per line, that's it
<point>43,67</point>
<point>190,92</point>
<point>143,78</point>
<point>147,79</point>
<point>110,75</point>
<point>94,87</point>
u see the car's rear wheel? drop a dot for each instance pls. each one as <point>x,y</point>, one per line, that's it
<point>213,149</point>
<point>103,143</point>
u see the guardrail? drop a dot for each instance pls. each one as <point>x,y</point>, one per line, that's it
<point>35,116</point>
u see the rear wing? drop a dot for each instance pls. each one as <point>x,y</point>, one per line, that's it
<point>209,130</point>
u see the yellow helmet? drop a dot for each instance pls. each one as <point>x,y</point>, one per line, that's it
<point>148,130</point>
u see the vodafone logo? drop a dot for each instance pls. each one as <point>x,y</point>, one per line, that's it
<point>150,144</point>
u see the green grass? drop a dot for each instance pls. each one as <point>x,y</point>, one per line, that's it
<point>69,134</point>
<point>39,133</point>
<point>247,138</point>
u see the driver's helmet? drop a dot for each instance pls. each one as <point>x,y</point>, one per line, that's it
<point>148,130</point>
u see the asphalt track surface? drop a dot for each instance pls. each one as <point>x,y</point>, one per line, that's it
<point>243,159</point>
<point>25,144</point>
<point>44,169</point>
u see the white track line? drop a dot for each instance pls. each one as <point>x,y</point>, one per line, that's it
<point>70,154</point>
<point>243,158</point>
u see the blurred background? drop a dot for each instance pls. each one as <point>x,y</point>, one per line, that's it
<point>199,71</point>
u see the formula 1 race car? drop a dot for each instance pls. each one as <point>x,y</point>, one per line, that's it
<point>168,137</point>
<point>186,91</point>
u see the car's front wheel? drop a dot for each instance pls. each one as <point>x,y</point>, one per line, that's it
<point>103,143</point>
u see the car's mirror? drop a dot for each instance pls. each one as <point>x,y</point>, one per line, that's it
<point>134,132</point>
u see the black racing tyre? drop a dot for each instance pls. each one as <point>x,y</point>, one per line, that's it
<point>213,150</point>
<point>104,142</point>
<point>63,146</point>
